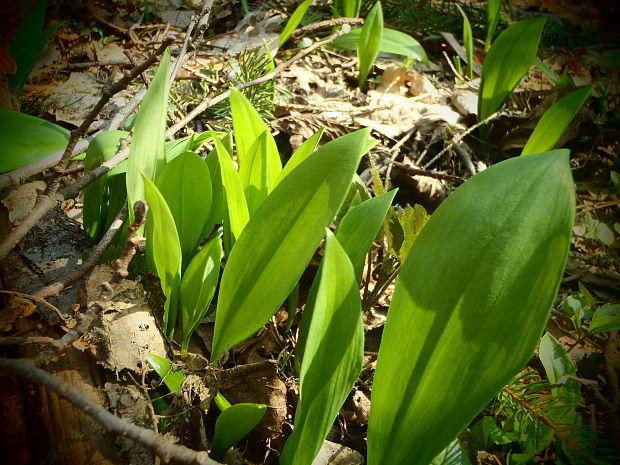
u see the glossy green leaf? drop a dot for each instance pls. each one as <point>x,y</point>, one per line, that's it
<point>333,356</point>
<point>392,41</point>
<point>454,454</point>
<point>554,358</point>
<point>605,318</point>
<point>198,286</point>
<point>494,432</point>
<point>555,121</point>
<point>468,43</point>
<point>472,299</point>
<point>247,125</point>
<point>304,151</point>
<point>163,246</point>
<point>233,425</point>
<point>509,58</point>
<point>185,183</point>
<point>192,143</point>
<point>294,21</point>
<point>493,9</point>
<point>360,226</point>
<point>172,379</point>
<point>147,151</point>
<point>26,139</point>
<point>260,172</point>
<point>370,42</point>
<point>280,239</point>
<point>238,215</point>
<point>104,197</point>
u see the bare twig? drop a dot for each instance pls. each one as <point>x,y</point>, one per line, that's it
<point>16,340</point>
<point>208,102</point>
<point>37,299</point>
<point>328,23</point>
<point>108,92</point>
<point>97,252</point>
<point>159,445</point>
<point>430,174</point>
<point>46,202</point>
<point>461,136</point>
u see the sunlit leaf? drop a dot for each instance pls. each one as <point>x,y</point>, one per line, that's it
<point>233,425</point>
<point>185,183</point>
<point>165,251</point>
<point>370,42</point>
<point>294,21</point>
<point>509,58</point>
<point>555,121</point>
<point>303,152</point>
<point>468,43</point>
<point>280,239</point>
<point>198,286</point>
<point>472,298</point>
<point>247,124</point>
<point>172,379</point>
<point>605,318</point>
<point>147,151</point>
<point>454,454</point>
<point>333,356</point>
<point>493,9</point>
<point>26,139</point>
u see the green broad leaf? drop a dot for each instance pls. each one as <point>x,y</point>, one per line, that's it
<point>247,126</point>
<point>101,197</point>
<point>392,41</point>
<point>555,121</point>
<point>185,183</point>
<point>26,139</point>
<point>349,8</point>
<point>454,454</point>
<point>147,151</point>
<point>360,226</point>
<point>172,379</point>
<point>280,239</point>
<point>509,58</point>
<point>468,43</point>
<point>369,42</point>
<point>304,151</point>
<point>233,424</point>
<point>294,21</point>
<point>493,9</point>
<point>333,356</point>
<point>197,288</point>
<point>605,318</point>
<point>554,358</point>
<point>164,250</point>
<point>238,215</point>
<point>192,143</point>
<point>471,300</point>
<point>262,168</point>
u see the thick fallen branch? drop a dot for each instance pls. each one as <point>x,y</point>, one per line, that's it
<point>163,447</point>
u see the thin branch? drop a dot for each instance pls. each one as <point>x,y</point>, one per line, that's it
<point>159,445</point>
<point>429,174</point>
<point>94,257</point>
<point>107,93</point>
<point>46,202</point>
<point>327,24</point>
<point>16,340</point>
<point>208,102</point>
<point>37,299</point>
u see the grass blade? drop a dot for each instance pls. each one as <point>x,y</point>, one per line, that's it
<point>493,9</point>
<point>304,151</point>
<point>262,168</point>
<point>294,21</point>
<point>370,42</point>
<point>471,301</point>
<point>247,125</point>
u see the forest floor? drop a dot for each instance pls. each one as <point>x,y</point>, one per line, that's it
<point>420,113</point>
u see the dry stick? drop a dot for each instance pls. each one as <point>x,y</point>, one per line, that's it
<point>37,299</point>
<point>46,202</point>
<point>108,92</point>
<point>461,136</point>
<point>16,340</point>
<point>208,102</point>
<point>97,252</point>
<point>159,445</point>
<point>86,318</point>
<point>429,174</point>
<point>326,24</point>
